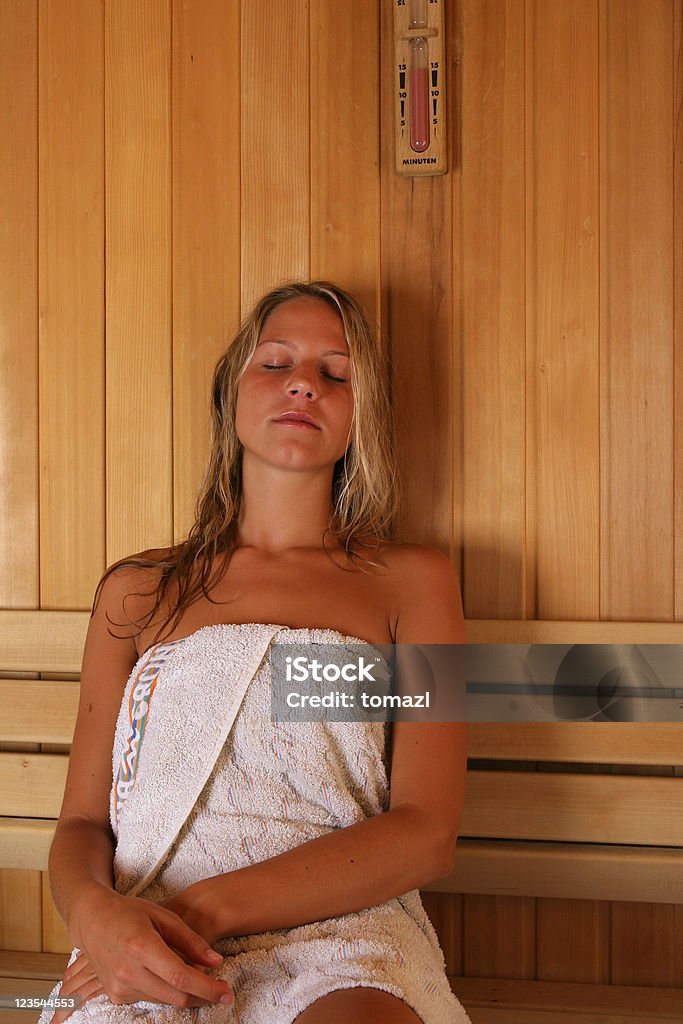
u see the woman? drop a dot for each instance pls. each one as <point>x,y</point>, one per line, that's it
<point>280,844</point>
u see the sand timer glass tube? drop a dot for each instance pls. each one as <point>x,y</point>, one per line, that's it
<point>418,78</point>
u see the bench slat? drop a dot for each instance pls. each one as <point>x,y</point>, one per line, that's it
<point>43,710</point>
<point>558,806</point>
<point>563,997</point>
<point>542,806</point>
<point>565,871</point>
<point>32,784</point>
<point>579,742</point>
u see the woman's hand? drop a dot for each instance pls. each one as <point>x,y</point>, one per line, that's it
<point>138,950</point>
<point>81,980</point>
<point>196,905</point>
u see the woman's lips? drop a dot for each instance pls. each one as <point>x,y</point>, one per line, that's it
<point>293,421</point>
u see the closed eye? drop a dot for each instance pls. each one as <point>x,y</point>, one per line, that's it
<point>337,380</point>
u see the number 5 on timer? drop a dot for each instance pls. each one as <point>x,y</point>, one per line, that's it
<point>419,46</point>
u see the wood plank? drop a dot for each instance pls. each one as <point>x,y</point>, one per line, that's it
<point>71,255</point>
<point>275,126</point>
<point>637,369</point>
<point>52,641</point>
<point>206,226</point>
<point>32,784</point>
<point>615,743</point>
<point>25,842</point>
<point>564,997</point>
<point>539,631</point>
<point>20,921</point>
<point>563,433</point>
<point>22,965</point>
<point>554,806</point>
<point>500,935</point>
<point>678,304</point>
<point>345,162</point>
<point>493,307</point>
<point>646,944</point>
<point>572,871</point>
<point>138,294</point>
<point>43,710</point>
<point>42,640</point>
<point>418,315</point>
<point>19,473</point>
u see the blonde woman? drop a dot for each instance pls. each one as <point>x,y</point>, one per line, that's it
<point>237,867</point>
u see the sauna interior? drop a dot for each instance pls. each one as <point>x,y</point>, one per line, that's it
<point>165,162</point>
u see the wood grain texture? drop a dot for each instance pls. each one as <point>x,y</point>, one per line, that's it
<point>492,287</point>
<point>19,474</point>
<point>678,303</point>
<point>206,226</point>
<point>500,936</point>
<point>138,292</point>
<point>345,159</point>
<point>275,145</point>
<point>71,297</point>
<point>584,808</point>
<point>580,925</point>
<point>417,282</point>
<point>646,944</point>
<point>637,309</point>
<point>562,309</point>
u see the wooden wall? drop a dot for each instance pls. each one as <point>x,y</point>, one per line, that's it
<point>166,161</point>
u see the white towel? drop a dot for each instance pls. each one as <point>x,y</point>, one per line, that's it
<point>200,779</point>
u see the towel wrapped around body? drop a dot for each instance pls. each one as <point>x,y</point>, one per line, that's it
<point>205,783</point>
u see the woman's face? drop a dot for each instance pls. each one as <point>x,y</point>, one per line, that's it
<point>301,366</point>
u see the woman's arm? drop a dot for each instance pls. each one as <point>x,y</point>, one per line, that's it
<point>384,856</point>
<point>130,941</point>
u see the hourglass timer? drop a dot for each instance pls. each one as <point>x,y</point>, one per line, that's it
<point>420,87</point>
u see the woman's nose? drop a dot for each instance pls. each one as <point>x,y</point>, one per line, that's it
<point>302,382</point>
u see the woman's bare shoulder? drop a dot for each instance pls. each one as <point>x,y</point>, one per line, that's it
<point>428,603</point>
<point>417,561</point>
<point>132,579</point>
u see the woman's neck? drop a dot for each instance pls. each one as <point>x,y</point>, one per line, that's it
<point>282,510</point>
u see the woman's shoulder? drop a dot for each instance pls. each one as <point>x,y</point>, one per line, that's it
<point>417,561</point>
<point>428,606</point>
<point>131,577</point>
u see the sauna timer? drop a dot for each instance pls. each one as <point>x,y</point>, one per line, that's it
<point>419,70</point>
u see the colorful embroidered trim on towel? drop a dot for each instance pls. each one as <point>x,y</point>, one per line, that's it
<point>138,709</point>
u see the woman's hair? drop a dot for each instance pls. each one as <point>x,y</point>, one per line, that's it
<point>365,485</point>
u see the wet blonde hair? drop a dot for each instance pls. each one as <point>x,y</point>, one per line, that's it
<point>365,485</point>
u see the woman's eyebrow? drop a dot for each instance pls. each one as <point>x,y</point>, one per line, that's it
<point>281,341</point>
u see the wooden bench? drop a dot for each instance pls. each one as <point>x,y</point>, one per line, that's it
<point>523,833</point>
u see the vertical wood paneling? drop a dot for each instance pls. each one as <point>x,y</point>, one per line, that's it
<point>242,147</point>
<point>563,309</point>
<point>18,305</point>
<point>637,310</point>
<point>677,128</point>
<point>19,459</point>
<point>417,282</point>
<point>138,292</point>
<point>71,296</point>
<point>573,941</point>
<point>20,903</point>
<point>491,238</point>
<point>645,944</point>
<point>206,226</point>
<point>345,185</point>
<point>275,148</point>
<point>500,936</point>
